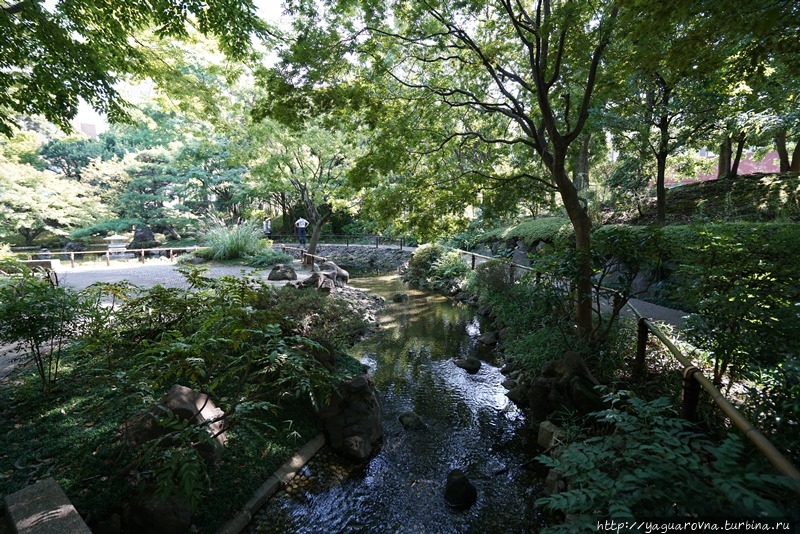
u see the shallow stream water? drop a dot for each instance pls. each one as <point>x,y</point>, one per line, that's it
<point>472,426</point>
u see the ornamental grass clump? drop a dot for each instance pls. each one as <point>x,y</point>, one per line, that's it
<point>238,242</point>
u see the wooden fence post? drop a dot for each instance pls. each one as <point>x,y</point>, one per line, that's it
<point>108,259</point>
<point>691,394</point>
<point>72,259</point>
<point>641,347</point>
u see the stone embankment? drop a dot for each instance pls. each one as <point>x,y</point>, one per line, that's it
<point>366,258</point>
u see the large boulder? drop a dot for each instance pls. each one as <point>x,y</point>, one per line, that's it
<point>564,384</point>
<point>459,492</point>
<point>352,420</point>
<point>318,280</point>
<point>470,364</point>
<point>185,404</point>
<point>143,238</point>
<point>282,272</point>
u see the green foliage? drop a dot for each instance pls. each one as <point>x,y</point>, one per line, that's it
<point>91,47</point>
<point>421,264</point>
<point>622,252</point>
<point>256,350</point>
<point>533,231</point>
<point>35,203</point>
<point>535,312</point>
<point>269,258</point>
<point>773,404</point>
<point>448,268</point>
<point>238,242</point>
<point>653,464</point>
<point>743,289</point>
<point>40,317</point>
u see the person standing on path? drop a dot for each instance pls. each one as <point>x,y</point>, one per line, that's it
<point>301,224</point>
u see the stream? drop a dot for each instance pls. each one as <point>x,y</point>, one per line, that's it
<point>472,426</point>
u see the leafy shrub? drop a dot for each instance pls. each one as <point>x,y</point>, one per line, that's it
<point>449,267</point>
<point>743,292</point>
<point>420,265</point>
<point>42,318</point>
<point>773,404</point>
<point>269,258</point>
<point>653,464</point>
<point>533,231</point>
<point>239,242</point>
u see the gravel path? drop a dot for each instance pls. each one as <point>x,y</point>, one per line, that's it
<point>149,274</point>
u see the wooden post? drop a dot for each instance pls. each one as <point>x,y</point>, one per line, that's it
<point>142,256</point>
<point>108,259</point>
<point>72,259</point>
<point>641,347</point>
<point>473,261</point>
<point>171,255</point>
<point>691,394</point>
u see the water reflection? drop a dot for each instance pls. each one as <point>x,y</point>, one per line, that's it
<point>471,426</point>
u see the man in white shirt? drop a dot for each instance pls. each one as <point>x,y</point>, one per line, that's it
<point>301,224</point>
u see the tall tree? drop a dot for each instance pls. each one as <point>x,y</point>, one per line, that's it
<point>311,163</point>
<point>533,64</point>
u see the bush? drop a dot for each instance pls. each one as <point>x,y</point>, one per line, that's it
<point>654,465</point>
<point>420,266</point>
<point>256,350</point>
<point>743,288</point>
<point>269,258</point>
<point>533,231</point>
<point>239,242</point>
<point>448,268</point>
<point>42,318</point>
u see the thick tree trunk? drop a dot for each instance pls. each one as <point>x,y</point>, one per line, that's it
<point>783,153</point>
<point>724,166</point>
<point>287,221</point>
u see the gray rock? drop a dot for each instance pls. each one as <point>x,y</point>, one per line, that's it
<point>470,364</point>
<point>352,420</point>
<point>488,338</point>
<point>186,405</point>
<point>459,492</point>
<point>282,272</point>
<point>412,421</point>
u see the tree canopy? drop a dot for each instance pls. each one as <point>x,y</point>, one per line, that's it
<point>79,49</point>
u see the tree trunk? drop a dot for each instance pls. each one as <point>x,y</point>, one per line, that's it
<point>739,148</point>
<point>783,153</point>
<point>795,166</point>
<point>582,226</point>
<point>661,190</point>
<point>724,166</point>
<point>317,232</point>
<point>287,222</point>
<point>581,176</point>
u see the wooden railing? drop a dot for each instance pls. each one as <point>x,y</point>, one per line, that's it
<point>139,253</point>
<point>693,380</point>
